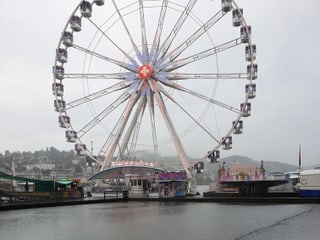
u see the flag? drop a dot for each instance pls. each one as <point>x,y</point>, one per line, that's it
<point>299,157</point>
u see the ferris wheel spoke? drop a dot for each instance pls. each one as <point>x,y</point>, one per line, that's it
<point>130,76</point>
<point>133,62</point>
<point>201,96</point>
<point>119,131</point>
<point>195,36</point>
<point>184,76</point>
<point>136,130</point>
<point>109,140</point>
<point>177,27</point>
<point>170,66</point>
<point>127,66</point>
<point>156,40</point>
<point>121,99</point>
<point>133,128</point>
<point>197,122</point>
<point>98,94</point>
<point>138,53</point>
<point>145,52</point>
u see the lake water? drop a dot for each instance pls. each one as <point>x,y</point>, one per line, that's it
<point>161,220</point>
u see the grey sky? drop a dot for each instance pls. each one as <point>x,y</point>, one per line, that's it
<point>284,115</point>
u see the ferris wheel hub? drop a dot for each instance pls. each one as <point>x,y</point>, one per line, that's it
<point>145,71</point>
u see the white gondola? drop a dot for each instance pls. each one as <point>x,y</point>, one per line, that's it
<point>214,156</point>
<point>251,54</point>
<point>80,149</point>
<point>86,9</point>
<point>67,39</point>
<point>237,17</point>
<point>64,121</point>
<point>237,127</point>
<point>57,89</point>
<point>252,71</point>
<point>245,109</point>
<point>99,2</point>
<point>58,72</point>
<point>75,23</point>
<point>245,34</point>
<point>226,5</point>
<point>59,105</point>
<point>71,136</point>
<point>62,55</point>
<point>251,90</point>
<point>227,143</point>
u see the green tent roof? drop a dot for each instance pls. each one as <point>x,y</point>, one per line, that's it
<point>40,185</point>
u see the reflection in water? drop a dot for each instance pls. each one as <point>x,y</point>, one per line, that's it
<point>143,220</point>
<point>126,212</point>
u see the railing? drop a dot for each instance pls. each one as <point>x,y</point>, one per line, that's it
<point>14,196</point>
<point>115,193</point>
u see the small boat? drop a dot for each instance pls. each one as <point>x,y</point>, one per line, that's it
<point>310,183</point>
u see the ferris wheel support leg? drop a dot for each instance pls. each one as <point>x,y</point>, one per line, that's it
<point>192,184</point>
<point>177,143</point>
<point>192,188</point>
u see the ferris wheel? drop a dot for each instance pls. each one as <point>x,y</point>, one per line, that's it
<point>167,77</point>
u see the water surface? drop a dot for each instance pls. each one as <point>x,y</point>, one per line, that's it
<point>147,220</point>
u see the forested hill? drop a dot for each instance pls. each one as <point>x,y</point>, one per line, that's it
<point>64,158</point>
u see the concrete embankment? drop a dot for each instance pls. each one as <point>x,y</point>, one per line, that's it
<point>214,198</point>
<point>51,203</point>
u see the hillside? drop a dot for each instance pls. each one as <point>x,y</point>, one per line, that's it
<point>65,160</point>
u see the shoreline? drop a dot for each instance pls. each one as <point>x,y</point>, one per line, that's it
<point>212,197</point>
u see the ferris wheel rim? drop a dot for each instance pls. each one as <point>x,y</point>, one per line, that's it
<point>158,78</point>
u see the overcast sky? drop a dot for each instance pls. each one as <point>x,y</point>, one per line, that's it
<point>285,113</point>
